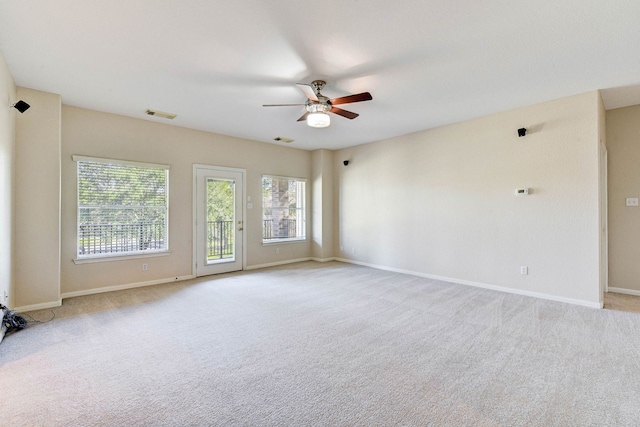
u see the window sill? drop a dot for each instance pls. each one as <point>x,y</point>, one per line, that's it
<point>107,258</point>
<point>283,241</point>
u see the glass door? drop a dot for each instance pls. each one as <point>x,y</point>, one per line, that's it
<point>219,220</point>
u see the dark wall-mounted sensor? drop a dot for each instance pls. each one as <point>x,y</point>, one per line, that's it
<point>21,106</point>
<point>346,162</point>
<point>522,132</point>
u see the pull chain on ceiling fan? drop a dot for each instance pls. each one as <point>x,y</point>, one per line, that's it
<point>318,105</point>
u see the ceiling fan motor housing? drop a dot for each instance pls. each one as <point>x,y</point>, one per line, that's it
<point>318,85</point>
<point>320,106</point>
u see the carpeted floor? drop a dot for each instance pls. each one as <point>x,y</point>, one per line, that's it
<point>313,344</point>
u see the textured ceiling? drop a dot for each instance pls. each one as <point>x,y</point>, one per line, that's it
<point>427,63</point>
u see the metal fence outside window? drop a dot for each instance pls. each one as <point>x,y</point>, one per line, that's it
<point>220,239</point>
<point>96,239</point>
<point>275,229</point>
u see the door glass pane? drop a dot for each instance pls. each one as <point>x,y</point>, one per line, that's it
<point>220,220</point>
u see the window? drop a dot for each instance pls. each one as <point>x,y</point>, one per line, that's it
<point>122,207</point>
<point>283,209</point>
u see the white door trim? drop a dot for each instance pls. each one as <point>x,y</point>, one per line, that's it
<point>243,172</point>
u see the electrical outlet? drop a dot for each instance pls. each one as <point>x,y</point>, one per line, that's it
<point>524,270</point>
<point>277,250</point>
<point>6,295</point>
<point>145,267</point>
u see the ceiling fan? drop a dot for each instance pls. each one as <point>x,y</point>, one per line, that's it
<point>318,105</point>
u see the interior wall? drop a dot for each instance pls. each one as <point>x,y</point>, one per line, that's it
<point>623,144</point>
<point>439,203</point>
<point>322,204</point>
<point>316,203</point>
<point>327,205</point>
<point>442,202</point>
<point>602,197</point>
<point>91,133</point>
<point>7,170</point>
<point>37,201</point>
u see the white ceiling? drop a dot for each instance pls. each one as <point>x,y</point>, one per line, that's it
<point>427,63</point>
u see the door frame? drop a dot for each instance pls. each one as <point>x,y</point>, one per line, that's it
<point>213,169</point>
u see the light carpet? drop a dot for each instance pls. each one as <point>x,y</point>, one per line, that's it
<point>314,344</point>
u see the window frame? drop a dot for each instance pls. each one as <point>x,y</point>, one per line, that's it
<point>303,210</point>
<point>114,256</point>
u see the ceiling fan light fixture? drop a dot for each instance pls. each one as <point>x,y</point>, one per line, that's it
<point>318,120</point>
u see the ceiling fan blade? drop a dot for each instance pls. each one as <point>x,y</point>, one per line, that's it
<point>344,113</point>
<point>304,117</point>
<point>308,91</point>
<point>282,105</point>
<point>364,96</point>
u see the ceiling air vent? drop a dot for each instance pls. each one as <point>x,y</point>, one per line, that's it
<point>283,139</point>
<point>162,114</point>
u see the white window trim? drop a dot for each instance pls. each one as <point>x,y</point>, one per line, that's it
<point>284,241</point>
<point>109,258</point>
<point>283,177</point>
<point>76,158</point>
<point>119,256</point>
<point>293,239</point>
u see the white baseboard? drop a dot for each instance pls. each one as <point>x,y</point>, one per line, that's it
<point>147,283</point>
<point>41,306</point>
<point>177,279</point>
<point>322,259</point>
<point>274,264</point>
<point>125,286</point>
<point>480,285</point>
<point>345,260</point>
<point>624,291</point>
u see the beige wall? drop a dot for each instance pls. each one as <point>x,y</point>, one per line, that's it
<point>37,201</point>
<point>7,161</point>
<point>322,204</point>
<point>439,203</point>
<point>96,134</point>
<point>623,143</point>
<point>442,202</point>
<point>602,197</point>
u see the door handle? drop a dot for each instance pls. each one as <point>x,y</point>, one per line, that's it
<point>240,228</point>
